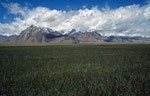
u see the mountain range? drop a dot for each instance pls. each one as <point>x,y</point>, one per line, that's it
<point>7,38</point>
<point>34,34</point>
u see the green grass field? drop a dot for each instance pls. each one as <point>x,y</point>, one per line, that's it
<point>75,70</point>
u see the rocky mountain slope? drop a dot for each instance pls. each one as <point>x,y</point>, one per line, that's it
<point>34,34</point>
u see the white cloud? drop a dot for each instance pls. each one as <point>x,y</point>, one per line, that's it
<point>4,17</point>
<point>84,6</point>
<point>14,8</point>
<point>130,20</point>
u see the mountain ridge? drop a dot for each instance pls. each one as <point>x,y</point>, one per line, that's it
<point>34,34</point>
<point>4,38</point>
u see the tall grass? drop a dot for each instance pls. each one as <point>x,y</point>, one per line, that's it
<point>75,70</point>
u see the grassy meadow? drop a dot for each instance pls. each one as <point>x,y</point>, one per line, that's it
<point>75,70</point>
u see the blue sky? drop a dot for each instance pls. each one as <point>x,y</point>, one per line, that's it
<point>116,14</point>
<point>65,5</point>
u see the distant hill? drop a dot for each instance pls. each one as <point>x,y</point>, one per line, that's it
<point>34,34</point>
<point>7,38</point>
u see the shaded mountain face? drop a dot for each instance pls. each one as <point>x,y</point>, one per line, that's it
<point>7,38</point>
<point>34,34</point>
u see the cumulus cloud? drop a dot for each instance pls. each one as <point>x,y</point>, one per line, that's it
<point>132,20</point>
<point>15,8</point>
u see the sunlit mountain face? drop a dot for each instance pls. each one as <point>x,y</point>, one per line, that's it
<point>117,18</point>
